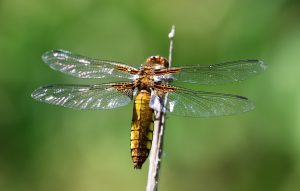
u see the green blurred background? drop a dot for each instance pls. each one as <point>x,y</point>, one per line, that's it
<point>46,148</point>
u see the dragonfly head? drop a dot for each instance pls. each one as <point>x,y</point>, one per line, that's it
<point>158,60</point>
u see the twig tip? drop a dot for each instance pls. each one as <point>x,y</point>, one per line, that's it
<point>172,33</point>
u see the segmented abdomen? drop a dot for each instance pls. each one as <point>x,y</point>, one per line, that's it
<point>141,129</point>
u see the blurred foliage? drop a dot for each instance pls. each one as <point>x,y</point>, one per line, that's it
<point>44,147</point>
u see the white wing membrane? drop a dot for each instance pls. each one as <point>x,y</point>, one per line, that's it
<point>102,96</point>
<point>185,102</point>
<point>180,101</point>
<point>220,73</point>
<point>84,67</point>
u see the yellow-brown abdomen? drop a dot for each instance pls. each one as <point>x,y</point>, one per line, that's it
<point>141,129</point>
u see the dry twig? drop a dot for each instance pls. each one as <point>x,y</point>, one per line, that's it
<point>158,135</point>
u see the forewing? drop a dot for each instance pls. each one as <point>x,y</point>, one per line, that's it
<point>84,67</point>
<point>217,73</point>
<point>103,96</point>
<point>185,102</point>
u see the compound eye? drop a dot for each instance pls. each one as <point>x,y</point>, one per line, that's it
<point>164,62</point>
<point>153,58</point>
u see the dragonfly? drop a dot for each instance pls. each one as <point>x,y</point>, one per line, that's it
<point>147,86</point>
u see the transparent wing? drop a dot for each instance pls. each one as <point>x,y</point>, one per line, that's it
<point>185,102</point>
<point>216,73</point>
<point>83,67</point>
<point>103,96</point>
